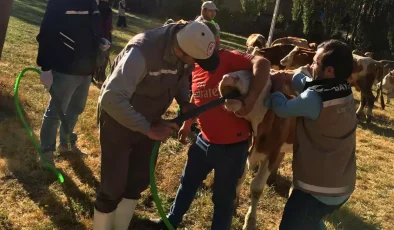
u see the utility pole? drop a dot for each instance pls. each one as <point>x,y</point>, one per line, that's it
<point>5,12</point>
<point>273,23</point>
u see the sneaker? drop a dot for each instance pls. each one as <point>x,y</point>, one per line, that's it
<point>48,159</point>
<point>63,149</point>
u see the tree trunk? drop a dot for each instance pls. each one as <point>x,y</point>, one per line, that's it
<point>354,32</point>
<point>5,12</point>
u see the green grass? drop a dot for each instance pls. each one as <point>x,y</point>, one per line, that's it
<point>33,199</point>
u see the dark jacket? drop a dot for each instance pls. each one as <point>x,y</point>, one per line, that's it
<point>69,37</point>
<point>106,20</point>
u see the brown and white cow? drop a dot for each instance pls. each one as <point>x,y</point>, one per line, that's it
<point>273,136</point>
<point>366,71</point>
<point>388,84</point>
<point>256,40</point>
<point>273,54</point>
<point>298,57</point>
<point>291,41</point>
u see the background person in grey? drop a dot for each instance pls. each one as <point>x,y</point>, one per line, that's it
<point>67,57</point>
<point>122,14</point>
<point>208,13</point>
<point>148,74</point>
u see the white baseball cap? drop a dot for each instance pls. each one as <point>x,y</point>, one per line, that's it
<point>209,5</point>
<point>198,41</point>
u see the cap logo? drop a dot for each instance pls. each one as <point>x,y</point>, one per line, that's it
<point>211,48</point>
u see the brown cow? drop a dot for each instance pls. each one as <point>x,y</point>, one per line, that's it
<point>298,57</point>
<point>291,41</point>
<point>369,54</point>
<point>256,40</point>
<point>272,136</point>
<point>358,52</point>
<point>313,46</point>
<point>366,71</point>
<point>273,54</point>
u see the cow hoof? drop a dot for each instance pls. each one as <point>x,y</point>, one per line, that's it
<point>250,221</point>
<point>360,116</point>
<point>369,119</point>
<point>271,181</point>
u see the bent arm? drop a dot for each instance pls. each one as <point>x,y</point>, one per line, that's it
<point>122,83</point>
<point>261,73</point>
<point>308,104</point>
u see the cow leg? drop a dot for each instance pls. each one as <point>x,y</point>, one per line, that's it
<point>272,177</point>
<point>388,100</point>
<point>370,101</point>
<point>275,161</point>
<point>256,189</point>
<point>238,191</point>
<point>360,110</point>
<point>377,94</point>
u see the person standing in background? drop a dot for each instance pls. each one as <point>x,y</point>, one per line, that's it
<point>67,57</point>
<point>106,20</point>
<point>105,32</point>
<point>208,13</point>
<point>122,14</point>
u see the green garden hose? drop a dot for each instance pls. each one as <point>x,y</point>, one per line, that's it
<point>28,129</point>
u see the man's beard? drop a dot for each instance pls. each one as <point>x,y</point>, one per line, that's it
<point>317,75</point>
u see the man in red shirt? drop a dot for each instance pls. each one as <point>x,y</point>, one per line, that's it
<point>223,142</point>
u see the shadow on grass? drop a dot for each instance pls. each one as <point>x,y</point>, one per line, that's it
<point>347,220</point>
<point>25,169</point>
<point>281,186</point>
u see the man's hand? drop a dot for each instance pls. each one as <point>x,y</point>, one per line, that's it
<point>188,107</point>
<point>247,103</point>
<point>46,79</point>
<point>184,131</point>
<point>186,127</point>
<point>162,130</point>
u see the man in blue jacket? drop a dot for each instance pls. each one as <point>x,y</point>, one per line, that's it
<point>68,43</point>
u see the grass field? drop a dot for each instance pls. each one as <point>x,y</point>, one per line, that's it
<point>32,198</point>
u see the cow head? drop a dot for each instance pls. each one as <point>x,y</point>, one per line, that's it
<point>256,40</point>
<point>240,81</point>
<point>298,57</point>
<point>388,81</point>
<point>288,60</point>
<point>235,81</point>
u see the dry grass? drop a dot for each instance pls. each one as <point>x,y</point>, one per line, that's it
<point>33,199</point>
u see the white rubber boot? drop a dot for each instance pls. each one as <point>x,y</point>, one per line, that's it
<point>103,221</point>
<point>124,213</point>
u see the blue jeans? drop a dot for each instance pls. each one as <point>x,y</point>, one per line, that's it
<point>229,163</point>
<point>303,211</point>
<point>72,93</point>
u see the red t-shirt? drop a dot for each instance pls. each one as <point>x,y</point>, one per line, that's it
<point>218,125</point>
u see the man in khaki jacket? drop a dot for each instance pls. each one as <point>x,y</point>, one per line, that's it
<point>324,161</point>
<point>147,75</point>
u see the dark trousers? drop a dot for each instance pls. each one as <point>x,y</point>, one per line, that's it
<point>125,158</point>
<point>228,162</point>
<point>121,21</point>
<point>303,211</point>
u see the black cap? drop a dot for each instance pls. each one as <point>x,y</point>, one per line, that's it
<point>211,63</point>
